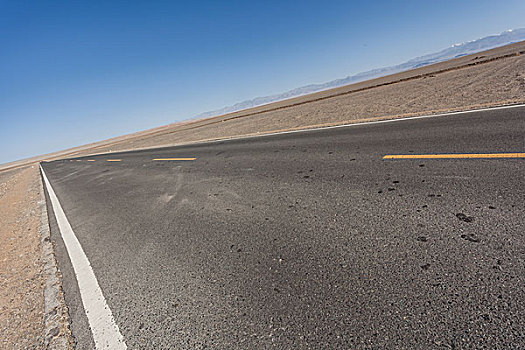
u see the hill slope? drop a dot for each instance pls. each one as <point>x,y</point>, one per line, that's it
<point>457,50</point>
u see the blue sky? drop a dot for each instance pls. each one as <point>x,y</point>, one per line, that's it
<point>74,72</point>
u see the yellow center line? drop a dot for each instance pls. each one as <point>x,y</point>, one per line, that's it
<point>454,156</point>
<point>174,158</point>
<point>90,160</point>
<point>113,160</point>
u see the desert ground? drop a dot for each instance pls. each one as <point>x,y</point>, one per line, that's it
<point>21,285</point>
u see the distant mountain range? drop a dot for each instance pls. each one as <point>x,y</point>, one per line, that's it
<point>457,50</point>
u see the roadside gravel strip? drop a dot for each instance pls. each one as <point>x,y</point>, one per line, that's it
<point>33,314</point>
<point>57,334</point>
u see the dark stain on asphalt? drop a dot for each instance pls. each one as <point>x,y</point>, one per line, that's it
<point>421,239</point>
<point>498,265</point>
<point>425,267</point>
<point>464,217</point>
<point>470,237</point>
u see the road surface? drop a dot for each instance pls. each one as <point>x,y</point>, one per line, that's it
<point>307,240</point>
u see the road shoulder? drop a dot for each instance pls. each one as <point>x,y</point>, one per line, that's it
<point>32,309</point>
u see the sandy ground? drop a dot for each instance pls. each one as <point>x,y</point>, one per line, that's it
<point>21,280</point>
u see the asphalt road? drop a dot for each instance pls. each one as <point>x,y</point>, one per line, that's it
<point>308,240</point>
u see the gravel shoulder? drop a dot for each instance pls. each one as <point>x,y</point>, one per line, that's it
<point>21,281</point>
<point>32,312</point>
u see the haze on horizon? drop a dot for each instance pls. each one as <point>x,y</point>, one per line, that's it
<point>74,73</point>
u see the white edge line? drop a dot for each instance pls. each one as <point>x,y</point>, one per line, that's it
<point>106,334</point>
<point>233,138</point>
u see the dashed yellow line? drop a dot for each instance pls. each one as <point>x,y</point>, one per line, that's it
<point>90,160</point>
<point>455,156</point>
<point>113,160</point>
<point>174,159</point>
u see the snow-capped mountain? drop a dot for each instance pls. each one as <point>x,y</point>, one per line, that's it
<point>457,50</point>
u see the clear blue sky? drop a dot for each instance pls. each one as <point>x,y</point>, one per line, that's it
<point>73,72</point>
